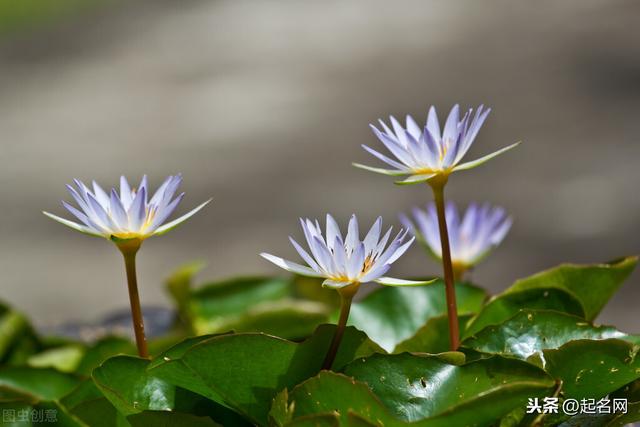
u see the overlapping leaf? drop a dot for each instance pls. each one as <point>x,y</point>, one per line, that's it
<point>245,371</point>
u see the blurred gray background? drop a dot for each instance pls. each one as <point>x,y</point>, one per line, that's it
<point>263,105</point>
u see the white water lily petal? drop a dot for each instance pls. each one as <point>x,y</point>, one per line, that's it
<point>390,172</point>
<point>390,281</point>
<point>334,284</point>
<point>475,163</point>
<point>74,225</point>
<point>176,222</point>
<point>416,179</point>
<point>291,266</point>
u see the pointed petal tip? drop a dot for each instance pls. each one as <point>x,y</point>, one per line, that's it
<point>390,281</point>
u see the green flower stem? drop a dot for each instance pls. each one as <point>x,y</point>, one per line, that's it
<point>346,297</point>
<point>129,249</point>
<point>437,185</point>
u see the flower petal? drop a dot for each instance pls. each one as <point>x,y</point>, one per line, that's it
<point>390,172</point>
<point>474,163</point>
<point>416,179</point>
<point>176,222</point>
<point>81,228</point>
<point>451,126</point>
<point>384,158</point>
<point>433,125</point>
<point>126,195</point>
<point>117,211</point>
<point>334,284</point>
<point>100,194</point>
<point>353,235</point>
<point>333,231</point>
<point>291,266</point>
<point>390,281</point>
<point>137,211</point>
<point>371,239</point>
<point>304,255</point>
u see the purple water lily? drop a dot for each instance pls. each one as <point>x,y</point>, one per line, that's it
<point>481,229</point>
<point>346,263</point>
<point>423,153</point>
<point>342,262</point>
<point>127,214</point>
<point>127,218</point>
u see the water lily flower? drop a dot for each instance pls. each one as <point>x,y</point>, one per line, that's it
<point>128,214</point>
<point>127,218</point>
<point>346,263</point>
<point>343,262</point>
<point>481,229</point>
<point>431,155</point>
<point>424,153</point>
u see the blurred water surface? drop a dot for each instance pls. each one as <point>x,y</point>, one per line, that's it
<point>264,105</point>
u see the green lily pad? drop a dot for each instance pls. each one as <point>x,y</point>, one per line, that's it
<point>38,383</point>
<point>593,285</point>
<point>506,305</point>
<point>531,331</point>
<point>391,315</point>
<point>432,337</point>
<point>417,387</point>
<point>593,369</point>
<point>246,371</point>
<point>581,290</point>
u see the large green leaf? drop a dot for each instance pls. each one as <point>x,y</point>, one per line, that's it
<point>27,393</point>
<point>581,290</point>
<point>125,381</point>
<point>507,305</point>
<point>531,331</point>
<point>391,315</point>
<point>593,285</point>
<point>246,371</point>
<point>39,383</point>
<point>593,369</point>
<point>416,387</point>
<point>433,337</point>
